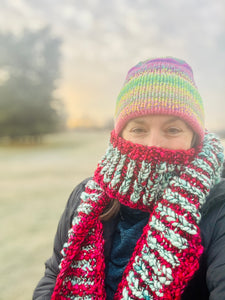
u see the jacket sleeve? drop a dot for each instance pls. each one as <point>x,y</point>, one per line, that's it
<point>46,285</point>
<point>215,276</point>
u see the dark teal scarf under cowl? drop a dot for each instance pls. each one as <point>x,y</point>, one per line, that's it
<point>128,230</point>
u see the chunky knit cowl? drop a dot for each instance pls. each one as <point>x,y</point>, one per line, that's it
<point>172,185</point>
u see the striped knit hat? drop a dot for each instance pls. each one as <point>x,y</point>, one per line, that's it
<point>160,86</point>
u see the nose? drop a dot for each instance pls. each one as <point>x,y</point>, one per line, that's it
<point>154,139</point>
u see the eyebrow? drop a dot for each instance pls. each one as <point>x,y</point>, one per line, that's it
<point>142,120</point>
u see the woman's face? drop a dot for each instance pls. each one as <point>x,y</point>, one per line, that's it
<point>163,131</point>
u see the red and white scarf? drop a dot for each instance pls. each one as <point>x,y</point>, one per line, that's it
<point>171,185</point>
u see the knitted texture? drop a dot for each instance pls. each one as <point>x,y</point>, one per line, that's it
<point>160,86</point>
<point>172,186</point>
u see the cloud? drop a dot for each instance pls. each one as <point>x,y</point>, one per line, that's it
<point>103,39</point>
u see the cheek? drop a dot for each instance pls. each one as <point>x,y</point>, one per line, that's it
<point>190,140</point>
<point>183,143</point>
<point>136,139</point>
<point>124,134</point>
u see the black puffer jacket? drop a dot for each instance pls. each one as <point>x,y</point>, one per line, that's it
<point>208,282</point>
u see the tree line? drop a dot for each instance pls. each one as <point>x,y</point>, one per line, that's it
<point>29,70</point>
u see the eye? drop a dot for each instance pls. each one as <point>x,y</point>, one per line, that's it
<point>138,130</point>
<point>173,130</point>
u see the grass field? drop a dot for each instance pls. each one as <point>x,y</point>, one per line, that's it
<point>35,182</point>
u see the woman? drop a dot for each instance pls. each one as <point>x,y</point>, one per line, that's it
<point>150,224</point>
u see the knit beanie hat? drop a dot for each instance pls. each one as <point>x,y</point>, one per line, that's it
<point>161,86</point>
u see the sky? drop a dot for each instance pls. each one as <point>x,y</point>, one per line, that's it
<point>102,40</point>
